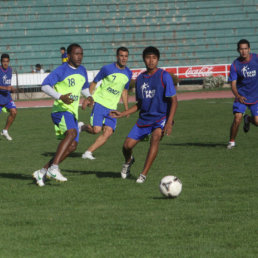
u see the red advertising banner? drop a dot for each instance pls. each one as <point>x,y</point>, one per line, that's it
<point>185,72</point>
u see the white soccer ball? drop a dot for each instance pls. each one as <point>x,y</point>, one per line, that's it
<point>170,186</point>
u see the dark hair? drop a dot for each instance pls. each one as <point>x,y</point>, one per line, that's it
<point>70,47</point>
<point>122,49</point>
<point>243,41</point>
<point>38,65</point>
<point>62,48</point>
<point>150,50</point>
<point>4,56</point>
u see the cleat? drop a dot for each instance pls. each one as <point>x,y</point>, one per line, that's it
<point>80,125</point>
<point>246,126</point>
<point>125,172</point>
<point>39,176</point>
<point>6,135</point>
<point>231,145</point>
<point>56,174</point>
<point>88,155</point>
<point>141,179</point>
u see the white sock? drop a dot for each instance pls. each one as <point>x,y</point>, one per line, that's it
<point>54,166</point>
<point>43,171</point>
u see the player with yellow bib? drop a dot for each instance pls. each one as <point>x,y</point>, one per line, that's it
<point>65,84</point>
<point>115,79</point>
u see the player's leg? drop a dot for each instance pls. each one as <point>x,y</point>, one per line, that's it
<point>238,110</point>
<point>72,147</point>
<point>135,135</point>
<point>11,117</point>
<point>96,120</point>
<point>100,117</point>
<point>65,147</point>
<point>253,119</point>
<point>67,131</point>
<point>91,129</point>
<point>51,169</point>
<point>152,154</point>
<point>102,139</point>
<point>235,125</point>
<point>128,146</point>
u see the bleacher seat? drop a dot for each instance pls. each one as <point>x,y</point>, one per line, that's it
<point>186,32</point>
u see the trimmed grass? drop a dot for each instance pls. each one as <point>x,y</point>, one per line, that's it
<point>97,214</point>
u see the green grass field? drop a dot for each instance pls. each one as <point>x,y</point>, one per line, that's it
<point>97,214</point>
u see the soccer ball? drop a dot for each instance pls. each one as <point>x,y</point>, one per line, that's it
<point>170,186</point>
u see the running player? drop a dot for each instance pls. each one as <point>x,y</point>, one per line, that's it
<point>6,101</point>
<point>244,85</point>
<point>115,83</point>
<point>157,103</point>
<point>64,84</point>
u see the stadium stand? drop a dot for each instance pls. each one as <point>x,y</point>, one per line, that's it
<point>193,32</point>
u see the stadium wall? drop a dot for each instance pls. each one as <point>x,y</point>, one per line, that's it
<point>193,32</point>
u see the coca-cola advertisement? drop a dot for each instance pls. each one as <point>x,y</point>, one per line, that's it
<point>203,71</point>
<point>185,72</point>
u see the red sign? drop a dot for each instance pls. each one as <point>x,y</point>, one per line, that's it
<point>193,71</point>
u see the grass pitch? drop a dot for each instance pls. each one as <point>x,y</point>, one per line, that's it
<point>97,214</point>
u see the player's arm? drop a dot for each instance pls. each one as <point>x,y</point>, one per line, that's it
<point>125,98</point>
<point>170,120</point>
<point>92,87</point>
<point>88,101</point>
<point>8,88</point>
<point>117,114</point>
<point>240,98</point>
<point>50,91</point>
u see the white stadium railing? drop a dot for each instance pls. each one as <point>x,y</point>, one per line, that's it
<point>34,80</point>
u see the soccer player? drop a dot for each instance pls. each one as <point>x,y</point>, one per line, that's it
<point>65,84</point>
<point>63,55</point>
<point>115,83</point>
<point>157,103</point>
<point>244,85</point>
<point>6,101</point>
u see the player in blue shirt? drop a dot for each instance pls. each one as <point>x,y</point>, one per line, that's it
<point>65,84</point>
<point>157,103</point>
<point>6,101</point>
<point>244,85</point>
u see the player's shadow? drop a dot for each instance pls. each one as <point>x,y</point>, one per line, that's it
<point>15,176</point>
<point>162,198</point>
<point>197,144</point>
<point>52,154</point>
<point>99,174</point>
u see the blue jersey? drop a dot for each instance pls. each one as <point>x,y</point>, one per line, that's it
<point>5,80</point>
<point>153,94</point>
<point>66,79</point>
<point>246,76</point>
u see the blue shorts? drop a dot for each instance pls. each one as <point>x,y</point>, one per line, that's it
<point>138,133</point>
<point>64,121</point>
<point>241,108</point>
<point>7,106</point>
<point>100,116</point>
